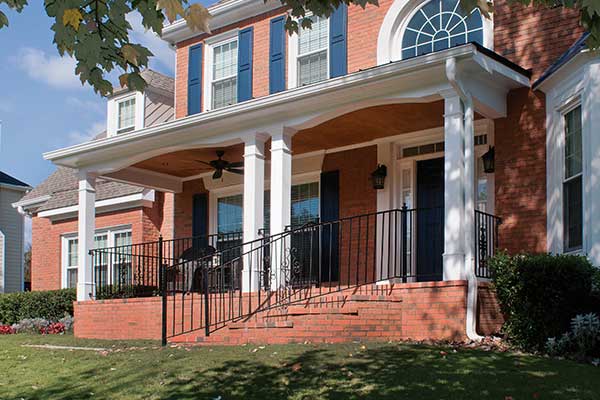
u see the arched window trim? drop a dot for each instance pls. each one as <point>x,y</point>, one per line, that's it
<point>419,9</point>
<point>389,41</point>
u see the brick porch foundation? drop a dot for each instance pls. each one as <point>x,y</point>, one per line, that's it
<point>428,310</point>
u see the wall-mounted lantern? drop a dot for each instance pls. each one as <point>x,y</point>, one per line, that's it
<point>378,177</point>
<point>488,161</point>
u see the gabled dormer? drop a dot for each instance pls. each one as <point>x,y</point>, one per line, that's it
<point>129,111</point>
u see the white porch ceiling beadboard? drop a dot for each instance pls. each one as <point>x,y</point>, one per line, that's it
<point>417,80</point>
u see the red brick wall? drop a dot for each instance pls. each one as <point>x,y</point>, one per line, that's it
<point>357,197</point>
<point>433,310</point>
<point>119,319</point>
<point>260,54</point>
<point>521,172</point>
<point>184,204</point>
<point>534,37</point>
<point>46,243</point>
<point>489,316</point>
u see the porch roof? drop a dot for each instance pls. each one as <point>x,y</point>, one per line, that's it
<point>484,74</point>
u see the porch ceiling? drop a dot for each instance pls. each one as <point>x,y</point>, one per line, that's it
<point>361,126</point>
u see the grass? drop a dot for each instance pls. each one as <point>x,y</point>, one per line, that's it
<point>143,370</point>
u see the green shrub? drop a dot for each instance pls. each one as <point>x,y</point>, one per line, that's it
<point>51,305</point>
<point>582,342</point>
<point>540,294</point>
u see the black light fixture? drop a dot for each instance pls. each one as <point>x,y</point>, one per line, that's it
<point>488,161</point>
<point>379,177</point>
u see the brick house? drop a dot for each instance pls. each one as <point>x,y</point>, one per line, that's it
<point>346,182</point>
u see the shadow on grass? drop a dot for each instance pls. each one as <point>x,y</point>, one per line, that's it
<point>327,372</point>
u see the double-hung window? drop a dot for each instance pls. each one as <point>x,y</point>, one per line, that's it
<point>313,48</point>
<point>71,259</point>
<point>113,268</point>
<point>224,74</point>
<point>572,182</point>
<point>126,115</point>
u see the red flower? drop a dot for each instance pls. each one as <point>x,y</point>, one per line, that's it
<point>6,330</point>
<point>53,329</point>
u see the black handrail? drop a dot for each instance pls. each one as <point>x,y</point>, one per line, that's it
<point>205,281</point>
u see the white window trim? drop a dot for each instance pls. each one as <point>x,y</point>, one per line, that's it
<point>576,84</point>
<point>563,110</point>
<point>292,63</point>
<point>112,112</point>
<point>215,194</point>
<point>209,45</point>
<point>389,39</point>
<point>65,238</point>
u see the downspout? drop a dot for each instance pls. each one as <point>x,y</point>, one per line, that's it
<point>469,188</point>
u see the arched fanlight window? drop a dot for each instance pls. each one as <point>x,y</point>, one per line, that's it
<point>438,25</point>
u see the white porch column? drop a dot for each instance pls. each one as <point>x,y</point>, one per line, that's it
<point>86,227</point>
<point>253,220</point>
<point>281,200</point>
<point>454,199</point>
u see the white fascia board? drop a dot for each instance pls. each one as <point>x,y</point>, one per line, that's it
<point>144,199</point>
<point>566,70</point>
<point>376,82</point>
<point>3,250</point>
<point>25,204</point>
<point>222,14</point>
<point>18,188</point>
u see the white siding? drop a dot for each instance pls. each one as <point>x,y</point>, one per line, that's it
<point>11,224</point>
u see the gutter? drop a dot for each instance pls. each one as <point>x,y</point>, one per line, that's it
<point>469,235</point>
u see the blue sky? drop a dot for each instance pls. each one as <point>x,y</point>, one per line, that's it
<point>43,106</point>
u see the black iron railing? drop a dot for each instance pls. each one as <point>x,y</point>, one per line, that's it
<point>486,241</point>
<point>209,281</point>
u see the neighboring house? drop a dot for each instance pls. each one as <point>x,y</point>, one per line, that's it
<point>12,236</point>
<point>371,164</point>
<point>125,213</point>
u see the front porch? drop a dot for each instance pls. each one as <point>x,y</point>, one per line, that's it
<point>306,219</point>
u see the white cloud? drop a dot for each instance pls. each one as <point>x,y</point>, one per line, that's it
<point>76,137</point>
<point>163,54</point>
<point>51,69</point>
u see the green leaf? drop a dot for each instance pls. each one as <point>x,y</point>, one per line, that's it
<point>3,20</point>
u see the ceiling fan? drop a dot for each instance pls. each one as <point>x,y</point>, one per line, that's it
<point>220,165</point>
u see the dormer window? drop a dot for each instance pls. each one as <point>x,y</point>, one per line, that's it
<point>313,45</point>
<point>126,115</point>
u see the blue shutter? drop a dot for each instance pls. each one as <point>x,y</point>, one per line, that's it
<point>200,219</point>
<point>195,79</point>
<point>330,212</point>
<point>277,55</point>
<point>338,27</point>
<point>244,78</point>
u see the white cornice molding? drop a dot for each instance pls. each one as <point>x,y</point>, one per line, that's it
<point>144,199</point>
<point>223,14</point>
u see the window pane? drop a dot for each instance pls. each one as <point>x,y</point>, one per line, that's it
<point>573,218</point>
<point>230,214</point>
<point>126,115</point>
<point>72,247</point>
<point>313,39</point>
<point>224,93</point>
<point>225,60</point>
<point>312,68</point>
<point>573,143</point>
<point>305,203</point>
<point>72,277</point>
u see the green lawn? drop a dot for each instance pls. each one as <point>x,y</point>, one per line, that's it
<point>143,370</point>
